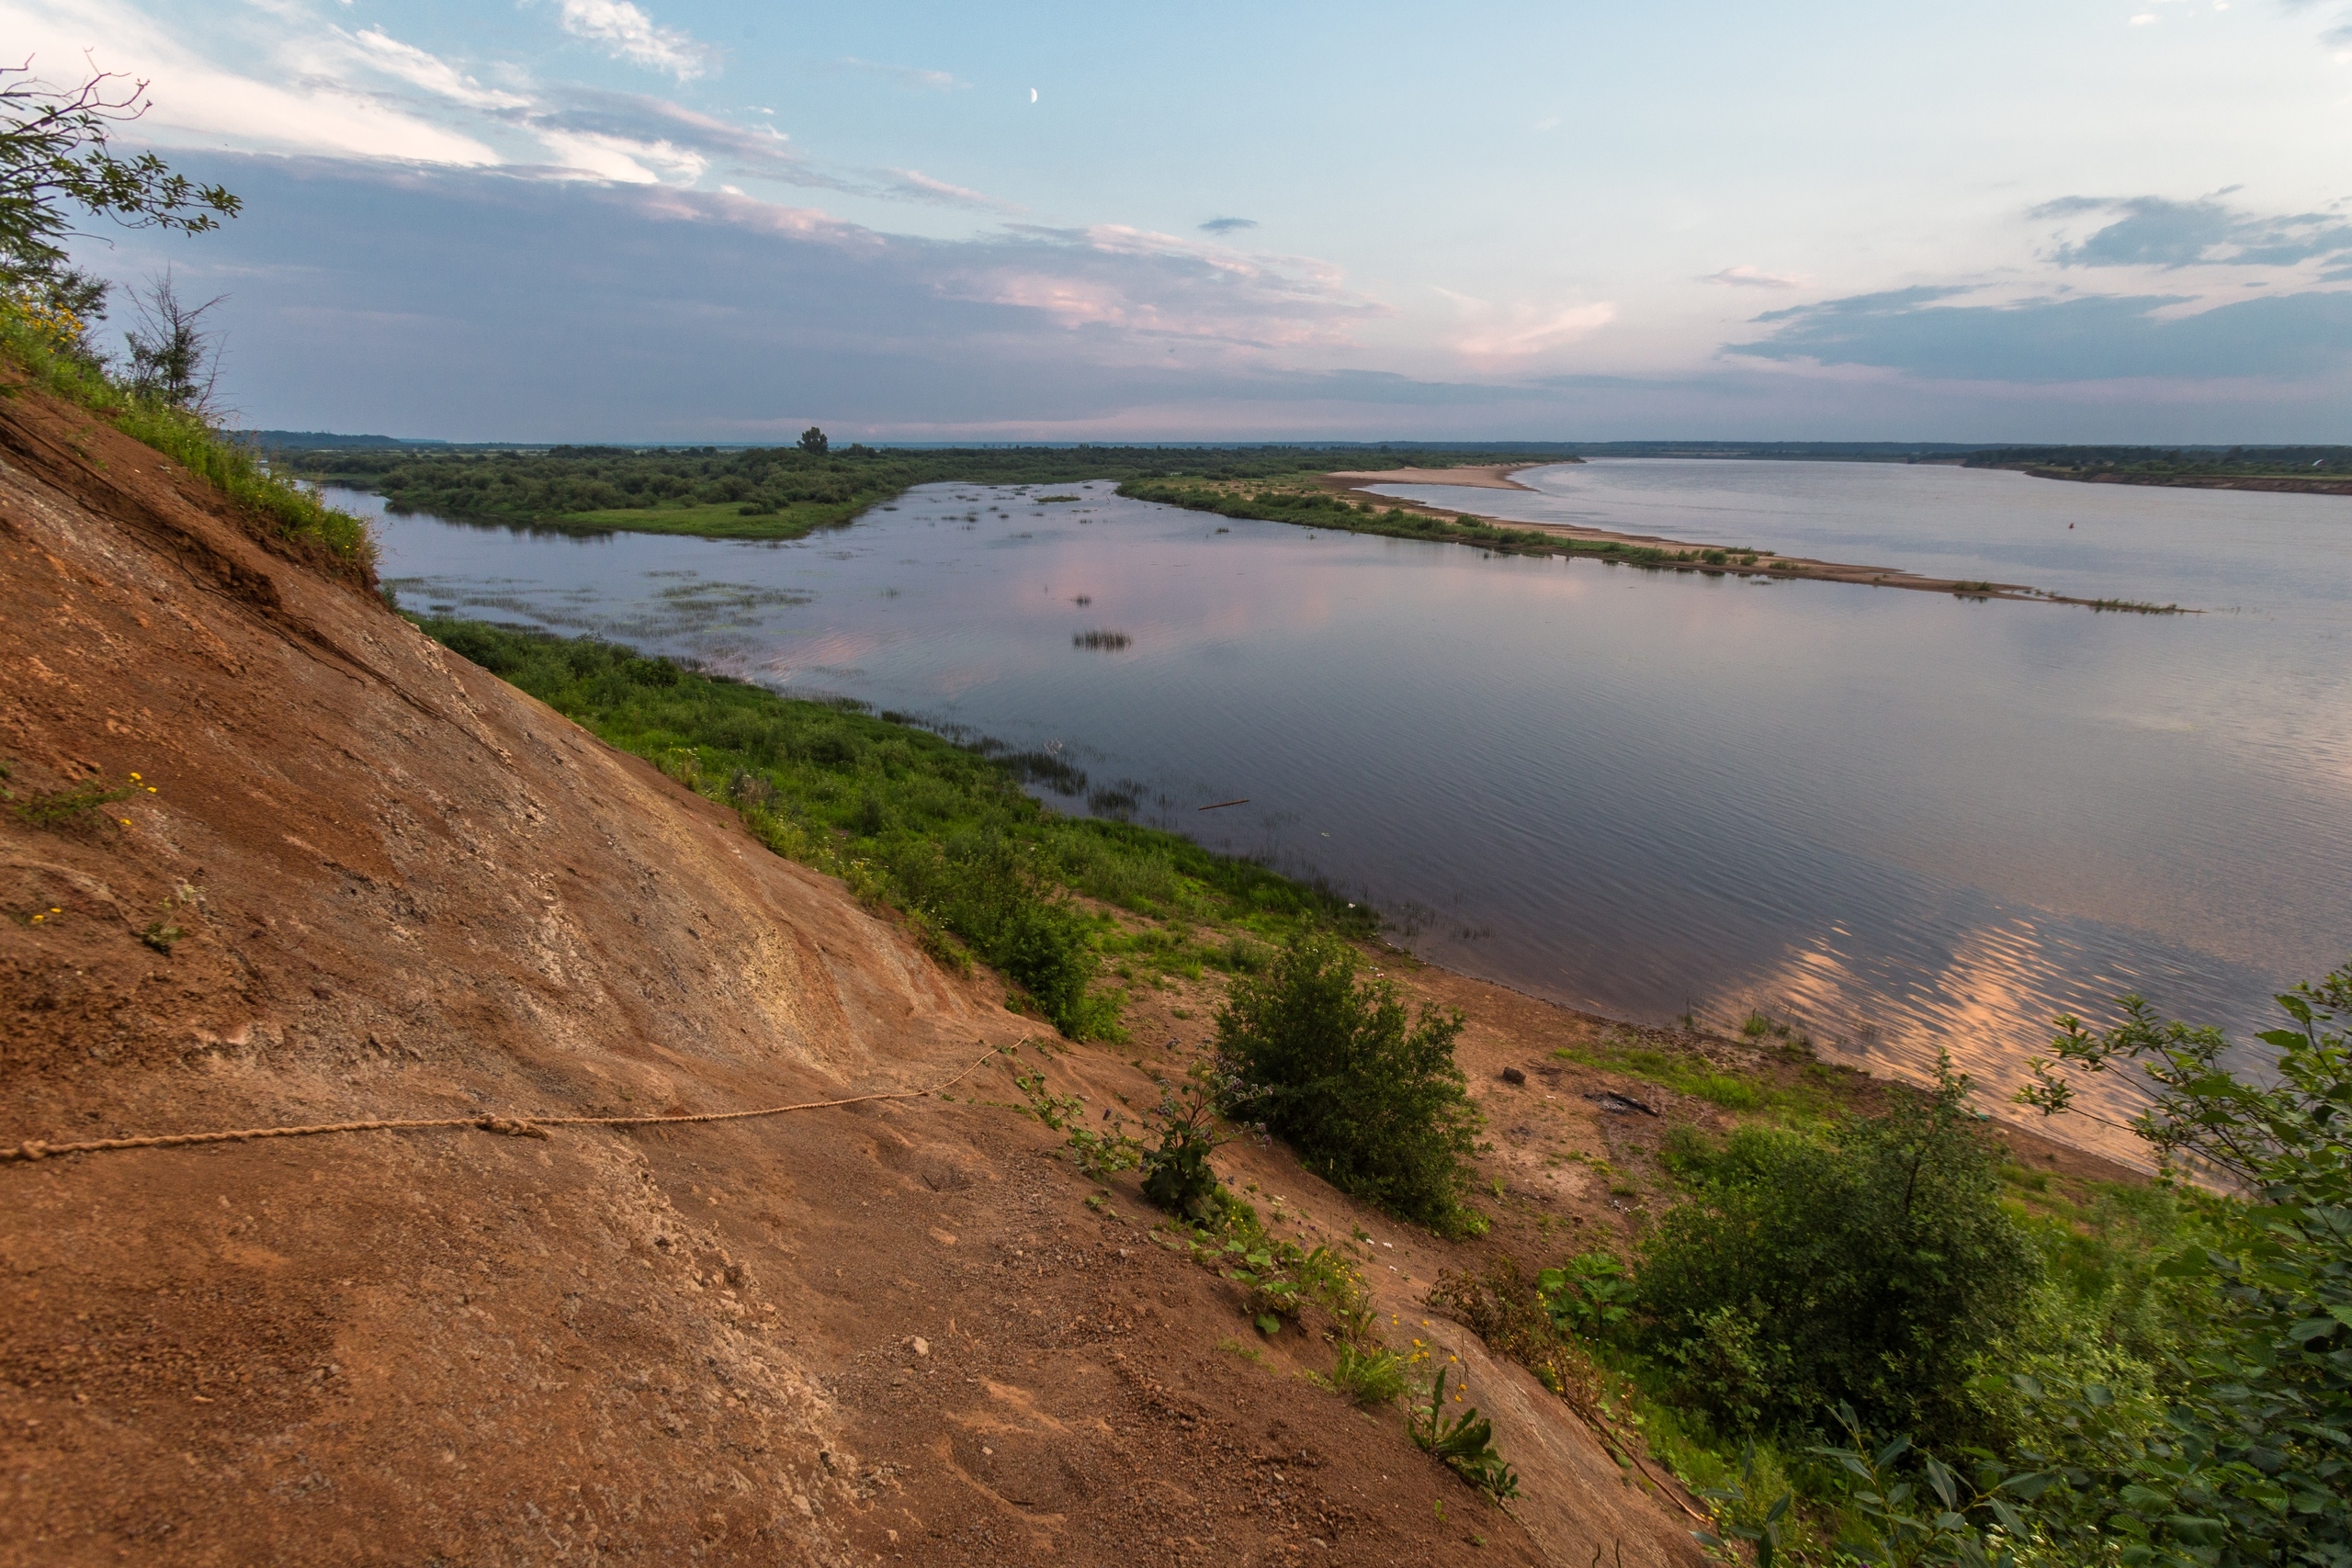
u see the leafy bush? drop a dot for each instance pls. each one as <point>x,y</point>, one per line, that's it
<point>1868,1268</point>
<point>1373,1105</point>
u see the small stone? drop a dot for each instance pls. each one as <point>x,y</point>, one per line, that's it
<point>922,1347</point>
<point>1513,1076</point>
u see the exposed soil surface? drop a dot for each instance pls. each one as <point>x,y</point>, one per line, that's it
<point>357,877</point>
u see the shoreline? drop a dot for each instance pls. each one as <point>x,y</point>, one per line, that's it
<point>2283,483</point>
<point>1493,476</point>
<point>1499,1000</point>
<point>1753,563</point>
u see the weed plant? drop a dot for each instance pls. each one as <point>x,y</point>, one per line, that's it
<point>1463,1440</point>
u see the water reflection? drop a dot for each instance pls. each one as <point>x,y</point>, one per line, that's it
<point>1897,821</point>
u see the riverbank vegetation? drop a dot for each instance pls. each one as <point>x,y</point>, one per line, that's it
<point>940,832</point>
<point>1316,506</point>
<point>2324,469</point>
<point>1863,1335</point>
<point>769,492</point>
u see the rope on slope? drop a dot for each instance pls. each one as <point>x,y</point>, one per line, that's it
<point>513,1126</point>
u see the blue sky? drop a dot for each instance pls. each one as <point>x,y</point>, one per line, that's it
<point>679,219</point>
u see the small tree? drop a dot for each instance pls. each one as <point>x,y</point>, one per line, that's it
<point>175,359</point>
<point>813,442</point>
<point>1373,1106</point>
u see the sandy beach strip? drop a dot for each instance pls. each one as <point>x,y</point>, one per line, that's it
<point>1494,476</point>
<point>1355,486</point>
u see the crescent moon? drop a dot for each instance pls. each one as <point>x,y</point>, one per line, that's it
<point>1033,95</point>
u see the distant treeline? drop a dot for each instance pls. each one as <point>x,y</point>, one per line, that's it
<point>572,481</point>
<point>2182,460</point>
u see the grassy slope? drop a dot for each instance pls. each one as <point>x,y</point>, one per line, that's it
<point>335,541</point>
<point>851,794</point>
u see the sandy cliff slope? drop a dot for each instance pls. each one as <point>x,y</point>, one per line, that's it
<point>884,1333</point>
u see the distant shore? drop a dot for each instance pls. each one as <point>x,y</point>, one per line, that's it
<point>1713,560</point>
<point>2291,483</point>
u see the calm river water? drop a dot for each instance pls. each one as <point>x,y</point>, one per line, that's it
<point>1900,819</point>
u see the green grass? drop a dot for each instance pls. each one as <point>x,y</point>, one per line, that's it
<point>722,520</point>
<point>1815,1096</point>
<point>878,802</point>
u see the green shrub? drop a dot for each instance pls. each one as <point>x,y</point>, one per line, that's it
<point>1376,1107</point>
<point>1868,1268</point>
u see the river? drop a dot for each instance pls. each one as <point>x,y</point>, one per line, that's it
<point>1902,821</point>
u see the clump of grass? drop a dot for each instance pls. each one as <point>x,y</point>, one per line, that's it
<point>1102,639</point>
<point>2135,607</point>
<point>62,807</point>
<point>1371,1377</point>
<point>1688,1073</point>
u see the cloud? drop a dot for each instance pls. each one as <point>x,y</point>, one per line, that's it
<point>2084,338</point>
<point>465,295</point>
<point>1518,331</point>
<point>1753,277</point>
<point>1133,283</point>
<point>1227,225</point>
<point>419,69</point>
<point>2150,230</point>
<point>913,184</point>
<point>908,76</point>
<point>303,110</point>
<point>669,134</point>
<point>628,33</point>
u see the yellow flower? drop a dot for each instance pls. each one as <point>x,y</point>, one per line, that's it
<point>134,778</point>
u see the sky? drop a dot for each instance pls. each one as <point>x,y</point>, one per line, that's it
<point>684,220</point>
